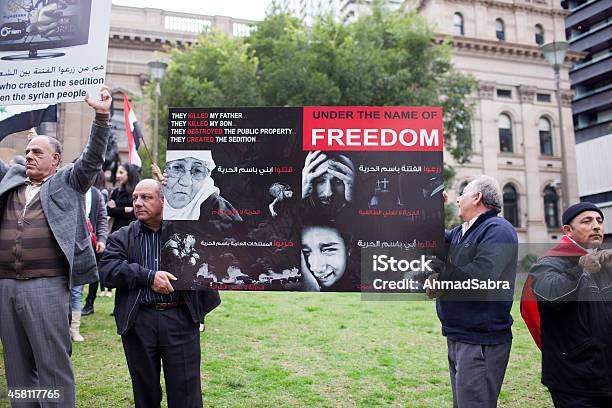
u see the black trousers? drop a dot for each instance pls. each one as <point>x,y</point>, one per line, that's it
<point>91,294</point>
<point>564,400</point>
<point>172,338</point>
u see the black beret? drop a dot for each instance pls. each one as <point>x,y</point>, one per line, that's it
<point>573,210</point>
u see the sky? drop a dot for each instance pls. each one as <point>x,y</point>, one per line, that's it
<point>246,9</point>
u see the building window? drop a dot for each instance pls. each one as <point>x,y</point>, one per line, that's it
<point>504,125</point>
<point>504,93</point>
<point>539,34</point>
<point>544,130</point>
<point>500,30</point>
<point>551,207</point>
<point>242,30</point>
<point>458,24</point>
<point>542,97</point>
<point>511,212</point>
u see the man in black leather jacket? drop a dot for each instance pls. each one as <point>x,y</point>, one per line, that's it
<point>155,322</point>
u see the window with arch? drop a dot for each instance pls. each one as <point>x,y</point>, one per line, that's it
<point>504,126</point>
<point>544,129</point>
<point>458,24</point>
<point>551,207</point>
<point>511,210</point>
<point>539,34</point>
<point>500,29</point>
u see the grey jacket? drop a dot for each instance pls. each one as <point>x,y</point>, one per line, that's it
<point>63,202</point>
<point>98,215</point>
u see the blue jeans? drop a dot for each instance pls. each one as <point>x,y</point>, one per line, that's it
<point>76,298</point>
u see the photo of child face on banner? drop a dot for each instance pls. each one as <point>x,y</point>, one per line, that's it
<point>355,199</point>
<point>326,263</point>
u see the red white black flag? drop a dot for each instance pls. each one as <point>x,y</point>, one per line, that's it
<point>132,129</point>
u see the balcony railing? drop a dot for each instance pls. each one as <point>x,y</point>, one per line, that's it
<point>591,38</point>
<point>593,131</point>
<point>600,67</point>
<point>586,11</point>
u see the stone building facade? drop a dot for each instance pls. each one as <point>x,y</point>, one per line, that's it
<point>515,130</point>
<point>589,30</point>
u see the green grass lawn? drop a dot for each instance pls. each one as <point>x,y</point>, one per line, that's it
<point>307,350</point>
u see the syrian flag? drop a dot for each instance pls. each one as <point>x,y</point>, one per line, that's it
<point>133,132</point>
<point>17,118</point>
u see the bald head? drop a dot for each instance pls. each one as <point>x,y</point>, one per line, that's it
<point>150,184</point>
<point>149,203</point>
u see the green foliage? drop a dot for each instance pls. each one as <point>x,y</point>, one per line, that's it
<point>451,218</point>
<point>219,71</point>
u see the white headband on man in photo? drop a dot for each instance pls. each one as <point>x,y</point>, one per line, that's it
<point>203,155</point>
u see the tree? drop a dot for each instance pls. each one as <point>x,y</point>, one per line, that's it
<point>218,71</point>
<point>384,59</point>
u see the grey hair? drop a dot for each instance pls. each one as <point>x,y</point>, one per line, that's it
<point>55,144</point>
<point>491,192</point>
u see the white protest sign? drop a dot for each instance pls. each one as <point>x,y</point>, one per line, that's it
<point>52,50</point>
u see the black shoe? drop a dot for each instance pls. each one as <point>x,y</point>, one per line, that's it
<point>87,310</point>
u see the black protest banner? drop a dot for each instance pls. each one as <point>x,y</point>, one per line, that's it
<point>302,199</point>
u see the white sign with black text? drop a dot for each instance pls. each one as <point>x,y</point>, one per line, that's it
<point>52,50</point>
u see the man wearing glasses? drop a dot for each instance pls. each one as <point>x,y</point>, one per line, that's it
<point>191,193</point>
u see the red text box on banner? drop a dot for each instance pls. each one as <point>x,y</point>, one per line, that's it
<point>390,128</point>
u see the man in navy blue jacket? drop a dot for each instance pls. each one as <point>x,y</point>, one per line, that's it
<point>474,308</point>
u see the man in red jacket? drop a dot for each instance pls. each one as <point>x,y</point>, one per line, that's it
<point>573,287</point>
